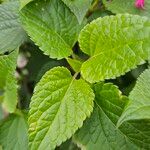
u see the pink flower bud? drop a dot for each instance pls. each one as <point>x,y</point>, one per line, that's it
<point>140,4</point>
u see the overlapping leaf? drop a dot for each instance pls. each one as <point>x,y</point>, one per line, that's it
<point>7,81</point>
<point>11,33</point>
<point>139,104</point>
<point>116,45</point>
<point>78,7</point>
<point>13,133</point>
<point>127,6</point>
<point>52,26</point>
<point>58,108</point>
<point>100,132</point>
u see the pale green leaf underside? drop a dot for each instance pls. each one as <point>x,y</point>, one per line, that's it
<point>58,108</point>
<point>78,7</point>
<point>13,133</point>
<point>116,45</point>
<point>127,6</point>
<point>52,26</point>
<point>139,104</point>
<point>11,33</point>
<point>8,83</point>
<point>100,132</point>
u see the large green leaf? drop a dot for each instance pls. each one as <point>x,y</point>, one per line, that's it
<point>78,7</point>
<point>139,104</point>
<point>13,133</point>
<point>11,33</point>
<point>7,81</point>
<point>52,26</point>
<point>100,132</point>
<point>116,45</point>
<point>127,6</point>
<point>58,108</point>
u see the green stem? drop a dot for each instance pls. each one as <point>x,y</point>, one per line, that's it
<point>75,75</point>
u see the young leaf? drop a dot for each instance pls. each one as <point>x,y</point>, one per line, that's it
<point>75,64</point>
<point>99,131</point>
<point>24,3</point>
<point>58,108</point>
<point>54,29</point>
<point>78,7</point>
<point>11,33</point>
<point>8,81</point>
<point>116,45</point>
<point>139,104</point>
<point>124,6</point>
<point>13,133</point>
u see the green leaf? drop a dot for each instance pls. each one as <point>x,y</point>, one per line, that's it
<point>75,64</point>
<point>10,98</point>
<point>100,132</point>
<point>8,82</point>
<point>116,45</point>
<point>58,108</point>
<point>56,31</point>
<point>11,33</point>
<point>13,133</point>
<point>1,113</point>
<point>139,104</point>
<point>127,6</point>
<point>78,7</point>
<point>24,3</point>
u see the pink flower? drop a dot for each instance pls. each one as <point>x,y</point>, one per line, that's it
<point>140,4</point>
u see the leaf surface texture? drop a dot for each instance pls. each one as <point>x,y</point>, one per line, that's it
<point>58,108</point>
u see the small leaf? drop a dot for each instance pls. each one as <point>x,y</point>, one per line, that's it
<point>116,45</point>
<point>56,31</point>
<point>13,133</point>
<point>139,104</point>
<point>58,108</point>
<point>124,6</point>
<point>11,33</point>
<point>78,7</point>
<point>23,3</point>
<point>8,82</point>
<point>100,132</point>
<point>75,64</point>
